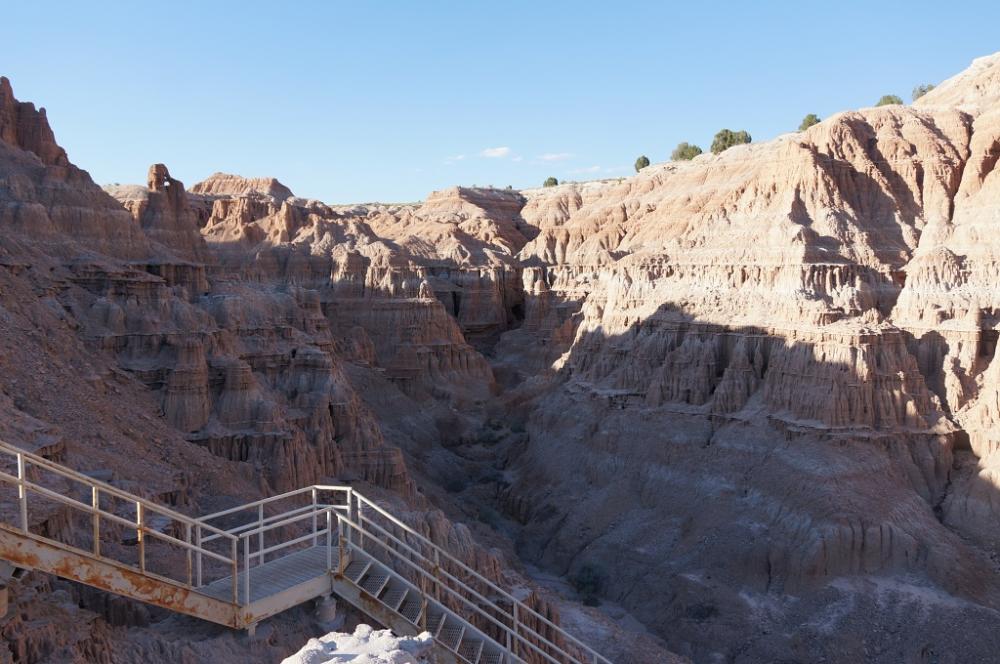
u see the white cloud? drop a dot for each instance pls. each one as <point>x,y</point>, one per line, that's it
<point>588,169</point>
<point>517,158</point>
<point>555,156</point>
<point>495,153</point>
<point>451,160</point>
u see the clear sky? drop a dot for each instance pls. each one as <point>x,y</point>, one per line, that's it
<point>361,101</point>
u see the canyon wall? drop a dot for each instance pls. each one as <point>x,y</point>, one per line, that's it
<point>206,348</point>
<point>754,394</point>
<point>764,371</point>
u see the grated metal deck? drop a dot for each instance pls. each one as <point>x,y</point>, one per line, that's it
<point>274,576</point>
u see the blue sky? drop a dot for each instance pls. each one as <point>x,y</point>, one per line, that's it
<point>362,101</point>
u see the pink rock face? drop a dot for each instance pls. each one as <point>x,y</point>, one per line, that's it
<point>23,127</point>
<point>224,184</point>
<point>203,387</point>
<point>742,340</point>
<point>50,201</point>
<point>755,395</point>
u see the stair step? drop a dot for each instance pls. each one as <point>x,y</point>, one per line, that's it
<point>435,619</point>
<point>374,582</point>
<point>410,609</point>
<point>394,596</point>
<point>491,656</point>
<point>356,569</point>
<point>470,648</point>
<point>451,634</point>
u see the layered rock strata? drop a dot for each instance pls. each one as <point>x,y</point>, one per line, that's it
<point>781,353</point>
<point>203,349</point>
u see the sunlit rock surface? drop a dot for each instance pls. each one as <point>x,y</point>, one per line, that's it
<point>754,394</point>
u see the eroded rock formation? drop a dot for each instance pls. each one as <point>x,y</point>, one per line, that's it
<point>754,394</point>
<point>780,352</point>
<point>205,348</point>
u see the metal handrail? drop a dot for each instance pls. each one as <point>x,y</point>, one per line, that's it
<point>240,530</point>
<point>511,632</point>
<point>143,508</point>
<point>348,514</point>
<point>516,602</point>
<point>515,631</point>
<point>424,574</point>
<point>104,486</point>
<point>271,499</point>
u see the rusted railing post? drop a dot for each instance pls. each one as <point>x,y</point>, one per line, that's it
<point>246,571</point>
<point>197,556</point>
<point>187,538</point>
<point>139,536</point>
<point>95,503</point>
<point>260,535</point>
<point>342,546</point>
<point>329,539</point>
<point>350,512</point>
<point>315,536</point>
<point>22,493</point>
<point>234,556</point>
<point>356,518</point>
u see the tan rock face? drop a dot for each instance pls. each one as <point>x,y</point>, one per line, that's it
<point>163,212</point>
<point>48,199</point>
<point>757,392</point>
<point>219,371</point>
<point>824,301</point>
<point>458,247</point>
<point>225,184</point>
<point>23,127</point>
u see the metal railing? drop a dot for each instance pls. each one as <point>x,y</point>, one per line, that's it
<point>267,529</point>
<point>296,527</point>
<point>520,627</point>
<point>101,496</point>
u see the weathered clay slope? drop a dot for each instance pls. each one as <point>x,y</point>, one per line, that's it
<point>206,348</point>
<point>459,247</point>
<point>121,356</point>
<point>757,389</point>
<point>765,361</point>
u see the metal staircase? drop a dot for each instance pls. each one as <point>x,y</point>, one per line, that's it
<point>239,566</point>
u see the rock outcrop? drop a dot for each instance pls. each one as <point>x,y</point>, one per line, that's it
<point>46,198</point>
<point>753,397</point>
<point>225,184</point>
<point>209,347</point>
<point>782,353</point>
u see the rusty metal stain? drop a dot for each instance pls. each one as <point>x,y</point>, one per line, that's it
<point>28,551</point>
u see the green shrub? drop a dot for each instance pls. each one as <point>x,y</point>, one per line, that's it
<point>921,90</point>
<point>550,182</point>
<point>685,152</point>
<point>809,121</point>
<point>589,581</point>
<point>726,139</point>
<point>641,163</point>
<point>889,100</point>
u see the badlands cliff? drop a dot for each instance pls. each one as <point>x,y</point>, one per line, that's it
<point>755,391</point>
